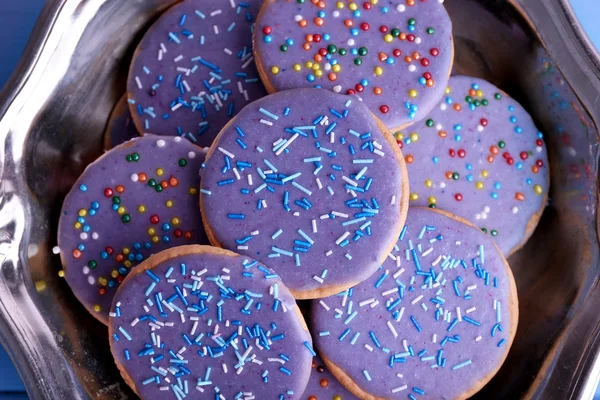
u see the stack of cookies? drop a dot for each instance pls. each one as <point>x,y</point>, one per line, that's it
<point>344,236</point>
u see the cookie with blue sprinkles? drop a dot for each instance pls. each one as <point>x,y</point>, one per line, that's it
<point>435,322</point>
<point>311,184</point>
<point>198,322</point>
<point>120,126</point>
<point>194,69</point>
<point>137,199</point>
<point>395,55</point>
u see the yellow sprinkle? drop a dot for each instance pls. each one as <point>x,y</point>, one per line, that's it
<point>275,70</point>
<point>127,263</point>
<point>399,136</point>
<point>125,250</point>
<point>316,67</point>
<point>479,185</point>
<point>169,203</point>
<point>432,200</point>
<point>414,196</point>
<point>337,68</point>
<point>82,212</point>
<point>318,73</point>
<point>114,273</point>
<point>193,191</point>
<point>378,71</point>
<point>297,67</point>
<point>429,183</point>
<point>40,286</point>
<point>142,208</point>
<point>538,189</point>
<point>413,93</point>
<point>414,137</point>
<point>353,6</point>
<point>175,221</point>
<point>121,210</point>
<point>61,273</point>
<point>155,239</point>
<point>97,308</point>
<point>480,93</point>
<point>308,64</point>
<point>388,38</point>
<point>374,2</point>
<point>160,172</point>
<point>485,173</point>
<point>448,90</point>
<point>77,225</point>
<point>339,5</point>
<point>151,231</point>
<point>102,281</point>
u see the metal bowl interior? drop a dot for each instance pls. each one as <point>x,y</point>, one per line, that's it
<point>54,111</point>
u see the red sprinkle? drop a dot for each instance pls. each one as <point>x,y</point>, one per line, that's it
<point>359,88</point>
<point>483,122</point>
<point>427,75</point>
<point>350,91</point>
<point>317,38</point>
<point>397,52</point>
<point>539,142</point>
<point>539,163</point>
<point>425,62</point>
<point>154,219</point>
<point>364,26</point>
<point>383,29</point>
<point>109,250</point>
<point>267,30</point>
<point>510,161</point>
<point>178,233</point>
<point>367,5</point>
<point>458,197</point>
<point>411,37</point>
<point>462,153</point>
<point>451,152</point>
<point>188,235</point>
<point>523,155</point>
<point>434,52</point>
<point>384,109</point>
<point>108,192</point>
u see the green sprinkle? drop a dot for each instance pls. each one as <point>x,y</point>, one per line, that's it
<point>497,96</point>
<point>357,61</point>
<point>363,51</point>
<point>429,123</point>
<point>395,32</point>
<point>501,144</point>
<point>430,31</point>
<point>92,264</point>
<point>126,218</point>
<point>182,162</point>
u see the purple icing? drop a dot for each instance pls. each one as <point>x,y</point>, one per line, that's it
<point>436,320</point>
<point>324,386</point>
<point>396,57</point>
<point>194,69</point>
<point>120,126</point>
<point>452,169</point>
<point>98,244</point>
<point>305,181</point>
<point>228,322</point>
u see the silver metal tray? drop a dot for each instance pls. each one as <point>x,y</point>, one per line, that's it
<point>55,108</point>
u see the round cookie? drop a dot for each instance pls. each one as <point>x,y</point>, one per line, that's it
<point>120,126</point>
<point>137,199</point>
<point>479,155</point>
<point>322,385</point>
<point>395,55</point>
<point>194,69</point>
<point>437,320</point>
<point>202,322</point>
<point>309,183</point>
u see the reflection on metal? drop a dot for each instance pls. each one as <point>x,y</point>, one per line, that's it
<point>54,111</point>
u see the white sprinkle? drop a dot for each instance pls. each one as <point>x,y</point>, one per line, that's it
<point>285,146</point>
<point>458,314</point>
<point>415,301</point>
<point>237,174</point>
<point>216,29</point>
<point>390,291</point>
<point>389,324</point>
<point>412,68</point>
<point>400,7</point>
<point>314,226</point>
<point>139,83</point>
<point>393,200</point>
<point>318,279</point>
<point>350,181</point>
<point>55,250</point>
<point>434,338</point>
<point>478,338</point>
<point>368,347</point>
<point>178,58</point>
<point>228,154</point>
<point>373,305</point>
<point>191,155</point>
<point>328,253</point>
<point>515,210</point>
<point>366,302</point>
<point>264,121</point>
<point>342,238</point>
<point>399,388</point>
<point>319,183</point>
<point>470,310</point>
<point>399,272</point>
<point>401,314</point>
<point>325,306</point>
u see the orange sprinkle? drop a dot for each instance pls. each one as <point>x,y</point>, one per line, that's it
<point>173,181</point>
<point>332,76</point>
<point>535,169</point>
<point>348,23</point>
<point>120,188</point>
<point>519,196</point>
<point>448,175</point>
<point>408,59</point>
<point>416,55</point>
<point>142,177</point>
<point>321,4</point>
<point>494,150</point>
<point>303,23</point>
<point>76,253</point>
<point>119,258</point>
<point>472,92</point>
<point>490,159</point>
<point>377,91</point>
<point>457,107</point>
<point>429,83</point>
<point>402,36</point>
<point>409,159</point>
<point>309,38</point>
<point>324,382</point>
<point>318,58</point>
<point>442,134</point>
<point>319,21</point>
<point>410,2</point>
<point>164,184</point>
<point>306,46</point>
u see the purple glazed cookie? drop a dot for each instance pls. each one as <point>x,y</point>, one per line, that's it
<point>322,385</point>
<point>436,321</point>
<point>194,69</point>
<point>137,199</point>
<point>198,322</point>
<point>309,183</point>
<point>479,155</point>
<point>120,126</point>
<point>395,55</point>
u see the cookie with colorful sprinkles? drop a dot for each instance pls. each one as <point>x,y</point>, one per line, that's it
<point>137,199</point>
<point>436,321</point>
<point>395,55</point>
<point>198,322</point>
<point>194,69</point>
<point>322,385</point>
<point>310,183</point>
<point>479,155</point>
<point>120,126</point>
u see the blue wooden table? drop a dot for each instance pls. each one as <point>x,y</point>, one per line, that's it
<point>16,21</point>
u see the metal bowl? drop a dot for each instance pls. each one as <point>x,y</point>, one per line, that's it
<point>54,111</point>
